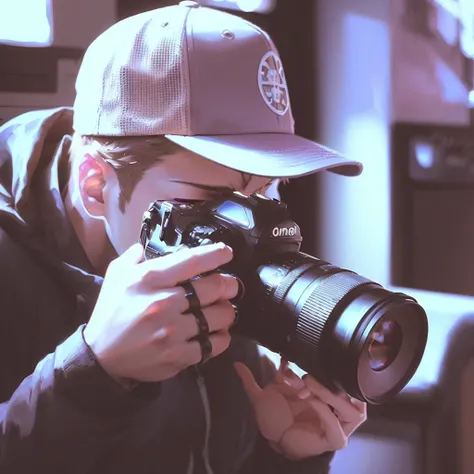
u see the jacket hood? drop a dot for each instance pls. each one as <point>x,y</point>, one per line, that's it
<point>34,157</point>
<point>28,145</point>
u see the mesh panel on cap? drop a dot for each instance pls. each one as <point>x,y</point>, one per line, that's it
<point>139,68</point>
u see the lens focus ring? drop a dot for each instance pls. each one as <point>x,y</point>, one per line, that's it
<point>290,278</point>
<point>321,303</point>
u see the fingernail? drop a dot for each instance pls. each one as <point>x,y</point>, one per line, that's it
<point>222,245</point>
<point>304,394</point>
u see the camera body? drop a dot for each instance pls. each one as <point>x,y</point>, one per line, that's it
<point>257,228</point>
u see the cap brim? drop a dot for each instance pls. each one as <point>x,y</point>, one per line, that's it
<point>274,155</point>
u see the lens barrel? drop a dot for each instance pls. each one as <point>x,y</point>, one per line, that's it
<point>346,330</point>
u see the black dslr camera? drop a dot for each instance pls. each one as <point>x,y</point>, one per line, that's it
<point>345,330</point>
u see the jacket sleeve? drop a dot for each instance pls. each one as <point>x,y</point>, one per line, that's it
<point>66,413</point>
<point>265,459</point>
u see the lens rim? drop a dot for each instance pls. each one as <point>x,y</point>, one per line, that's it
<point>378,386</point>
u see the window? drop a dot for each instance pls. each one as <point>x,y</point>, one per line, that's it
<point>258,6</point>
<point>463,12</point>
<point>26,22</point>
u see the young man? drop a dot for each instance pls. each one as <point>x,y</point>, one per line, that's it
<point>100,368</point>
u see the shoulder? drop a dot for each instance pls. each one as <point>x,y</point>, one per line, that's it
<point>11,252</point>
<point>24,273</point>
<point>18,274</point>
<point>15,258</point>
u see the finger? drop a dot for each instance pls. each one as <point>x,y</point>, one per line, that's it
<point>279,377</point>
<point>180,328</point>
<point>291,379</point>
<point>333,431</point>
<point>302,410</point>
<point>208,289</point>
<point>304,394</point>
<point>193,354</point>
<point>303,440</point>
<point>286,390</point>
<point>287,387</point>
<point>283,365</point>
<point>350,427</point>
<point>272,410</point>
<point>169,270</point>
<point>361,406</point>
<point>347,412</point>
<point>276,447</point>
<point>248,380</point>
<point>219,316</point>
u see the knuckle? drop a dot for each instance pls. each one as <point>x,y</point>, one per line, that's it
<point>338,445</point>
<point>157,307</point>
<point>225,340</point>
<point>195,357</point>
<point>171,356</point>
<point>151,309</point>
<point>148,276</point>
<point>163,335</point>
<point>166,302</point>
<point>342,443</point>
<point>237,287</point>
<point>228,313</point>
<point>219,283</point>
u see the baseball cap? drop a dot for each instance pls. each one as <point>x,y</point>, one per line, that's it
<point>209,81</point>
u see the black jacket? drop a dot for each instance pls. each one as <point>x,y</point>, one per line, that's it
<point>61,413</point>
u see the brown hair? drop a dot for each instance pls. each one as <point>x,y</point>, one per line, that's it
<point>130,157</point>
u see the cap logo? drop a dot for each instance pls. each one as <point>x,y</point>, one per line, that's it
<point>272,83</point>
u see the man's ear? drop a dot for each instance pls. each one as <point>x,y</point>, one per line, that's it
<point>92,181</point>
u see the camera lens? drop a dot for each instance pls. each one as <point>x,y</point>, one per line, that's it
<point>349,332</point>
<point>384,346</point>
<point>346,330</point>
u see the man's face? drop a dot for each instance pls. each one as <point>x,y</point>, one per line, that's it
<point>183,175</point>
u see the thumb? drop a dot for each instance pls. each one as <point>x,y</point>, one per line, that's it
<point>248,380</point>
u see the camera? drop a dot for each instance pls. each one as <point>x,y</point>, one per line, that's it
<point>347,331</point>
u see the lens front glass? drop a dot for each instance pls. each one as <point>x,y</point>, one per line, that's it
<point>385,343</point>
